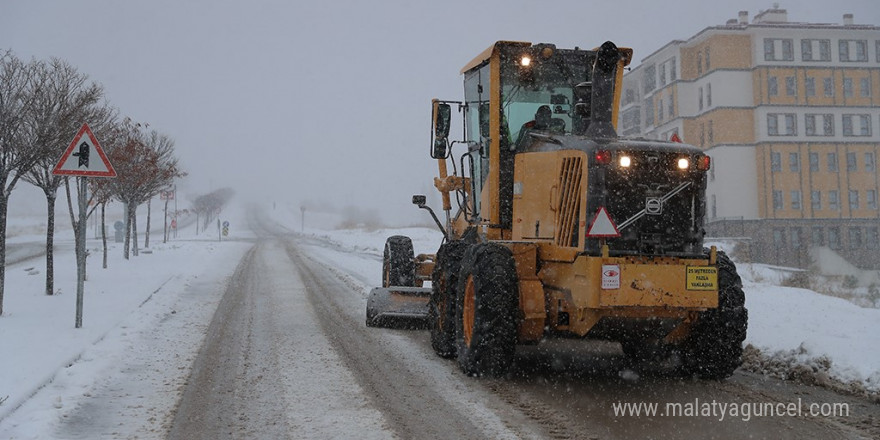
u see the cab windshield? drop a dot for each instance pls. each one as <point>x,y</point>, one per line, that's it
<point>547,83</point>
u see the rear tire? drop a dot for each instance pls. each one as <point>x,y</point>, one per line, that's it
<point>714,349</point>
<point>486,310</point>
<point>398,262</point>
<point>441,309</point>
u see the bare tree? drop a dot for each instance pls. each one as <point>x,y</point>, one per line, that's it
<point>61,106</point>
<point>145,165</point>
<point>209,205</point>
<point>18,89</point>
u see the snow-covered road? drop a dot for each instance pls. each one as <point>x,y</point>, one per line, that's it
<point>293,359</point>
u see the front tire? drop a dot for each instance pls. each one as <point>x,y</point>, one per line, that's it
<point>398,262</point>
<point>487,310</point>
<point>441,311</point>
<point>714,348</point>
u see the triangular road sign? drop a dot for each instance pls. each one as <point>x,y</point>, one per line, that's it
<point>84,157</point>
<point>602,225</point>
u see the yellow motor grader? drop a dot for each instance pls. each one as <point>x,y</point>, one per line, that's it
<point>562,228</point>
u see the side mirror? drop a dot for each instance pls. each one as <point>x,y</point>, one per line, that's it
<point>441,116</point>
<point>418,200</point>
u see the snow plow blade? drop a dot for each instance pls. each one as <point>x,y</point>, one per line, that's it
<point>398,307</point>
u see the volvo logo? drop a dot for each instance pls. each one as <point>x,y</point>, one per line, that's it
<point>653,206</point>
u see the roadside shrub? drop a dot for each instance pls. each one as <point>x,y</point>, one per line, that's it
<point>801,280</point>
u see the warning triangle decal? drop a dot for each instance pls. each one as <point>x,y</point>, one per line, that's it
<point>84,157</point>
<point>602,225</point>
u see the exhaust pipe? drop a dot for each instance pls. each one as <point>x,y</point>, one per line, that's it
<point>602,98</point>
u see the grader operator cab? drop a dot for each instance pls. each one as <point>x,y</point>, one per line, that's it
<point>561,228</point>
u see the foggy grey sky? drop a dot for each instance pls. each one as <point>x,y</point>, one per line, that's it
<point>290,101</point>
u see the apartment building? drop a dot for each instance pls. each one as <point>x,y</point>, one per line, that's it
<point>790,114</point>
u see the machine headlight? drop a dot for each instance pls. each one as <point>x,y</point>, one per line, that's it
<point>683,163</point>
<point>625,161</point>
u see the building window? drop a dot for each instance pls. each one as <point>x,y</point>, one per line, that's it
<point>834,238</point>
<point>775,161</point>
<point>864,125</point>
<point>810,85</point>
<point>794,162</point>
<point>807,50</point>
<point>787,50</point>
<point>861,50</point>
<point>869,162</point>
<point>828,87</point>
<point>851,164</point>
<point>711,133</point>
<point>817,237</point>
<point>662,76</point>
<point>814,161</point>
<point>700,98</point>
<point>649,111</point>
<point>816,200</point>
<point>708,95</point>
<point>672,72</point>
<point>796,234</point>
<point>855,238</point>
<point>779,238</point>
<point>660,110</point>
<point>824,50</point>
<point>790,86</point>
<point>769,50</point>
<point>873,238</point>
<point>772,86</point>
<point>865,87</point>
<point>828,125</point>
<point>847,88</point>
<point>811,125</point>
<point>816,50</point>
<point>847,125</point>
<point>853,200</point>
<point>796,200</point>
<point>777,200</point>
<point>853,50</point>
<point>671,107</point>
<point>832,162</point>
<point>790,124</point>
<point>773,124</point>
<point>833,201</point>
<point>708,60</point>
<point>649,79</point>
<point>871,199</point>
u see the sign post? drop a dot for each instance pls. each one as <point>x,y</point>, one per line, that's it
<point>90,161</point>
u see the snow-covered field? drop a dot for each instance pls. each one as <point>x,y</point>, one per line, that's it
<point>145,318</point>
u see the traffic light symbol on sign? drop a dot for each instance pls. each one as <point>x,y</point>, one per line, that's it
<point>83,155</point>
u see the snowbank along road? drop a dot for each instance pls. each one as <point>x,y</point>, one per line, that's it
<point>287,355</point>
